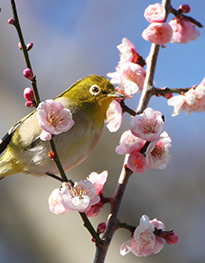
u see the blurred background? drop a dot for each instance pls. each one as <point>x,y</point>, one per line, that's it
<point>73,39</point>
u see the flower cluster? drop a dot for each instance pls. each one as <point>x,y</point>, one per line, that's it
<point>178,30</point>
<point>53,119</point>
<point>84,196</point>
<point>158,31</point>
<point>191,101</point>
<point>129,75</point>
<point>146,145</point>
<point>148,238</point>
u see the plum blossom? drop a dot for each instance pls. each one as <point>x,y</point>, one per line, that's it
<point>80,197</point>
<point>183,30</point>
<point>157,153</point>
<point>129,77</point>
<point>98,180</point>
<point>129,143</point>
<point>56,205</point>
<point>114,116</point>
<point>147,125</point>
<point>155,13</point>
<point>136,162</point>
<point>53,118</point>
<point>128,52</point>
<point>158,33</point>
<point>143,241</point>
<point>83,196</point>
<point>191,101</point>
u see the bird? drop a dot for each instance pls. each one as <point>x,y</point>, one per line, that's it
<point>24,152</point>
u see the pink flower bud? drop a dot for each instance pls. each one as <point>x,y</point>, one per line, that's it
<point>167,95</point>
<point>171,237</point>
<point>101,228</point>
<point>29,46</point>
<point>11,21</point>
<point>158,33</point>
<point>19,45</point>
<point>155,13</point>
<point>28,94</point>
<point>28,73</point>
<point>184,8</point>
<point>30,104</point>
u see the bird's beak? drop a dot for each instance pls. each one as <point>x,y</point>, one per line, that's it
<point>116,95</point>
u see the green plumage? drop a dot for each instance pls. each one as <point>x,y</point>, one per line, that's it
<point>88,100</point>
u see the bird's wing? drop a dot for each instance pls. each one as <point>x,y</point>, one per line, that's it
<point>8,136</point>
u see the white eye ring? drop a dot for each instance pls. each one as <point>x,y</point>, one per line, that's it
<point>94,89</point>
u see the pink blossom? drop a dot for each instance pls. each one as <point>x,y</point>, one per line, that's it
<point>55,202</point>
<point>129,143</point>
<point>148,125</point>
<point>128,52</point>
<point>128,76</point>
<point>80,197</point>
<point>157,153</point>
<point>28,74</point>
<point>114,116</point>
<point>183,30</point>
<point>53,118</point>
<point>143,242</point>
<point>98,180</point>
<point>155,13</point>
<point>94,210</point>
<point>158,33</point>
<point>191,101</point>
<point>136,162</point>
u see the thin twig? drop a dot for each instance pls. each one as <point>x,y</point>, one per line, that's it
<point>91,229</point>
<point>57,161</point>
<point>25,52</point>
<point>113,218</point>
<point>191,19</point>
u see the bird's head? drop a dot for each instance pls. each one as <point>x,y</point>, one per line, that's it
<point>92,94</point>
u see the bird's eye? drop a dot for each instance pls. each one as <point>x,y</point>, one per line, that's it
<point>94,89</point>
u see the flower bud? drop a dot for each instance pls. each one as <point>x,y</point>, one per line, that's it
<point>28,73</point>
<point>30,104</point>
<point>29,46</point>
<point>184,8</point>
<point>11,21</point>
<point>51,155</point>
<point>28,94</point>
<point>171,237</point>
<point>19,45</point>
<point>101,228</point>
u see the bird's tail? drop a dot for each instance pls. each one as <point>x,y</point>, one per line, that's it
<point>8,166</point>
